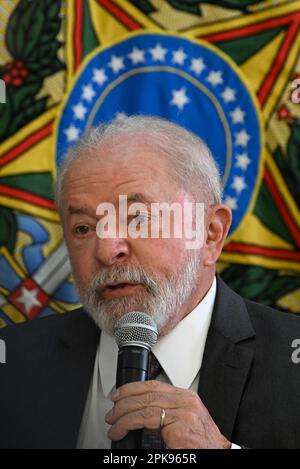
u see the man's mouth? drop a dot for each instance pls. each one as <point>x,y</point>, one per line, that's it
<point>118,289</point>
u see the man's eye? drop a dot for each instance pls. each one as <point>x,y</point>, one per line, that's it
<point>81,229</point>
<point>139,219</point>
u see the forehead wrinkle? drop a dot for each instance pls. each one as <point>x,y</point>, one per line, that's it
<point>111,175</point>
<point>81,210</point>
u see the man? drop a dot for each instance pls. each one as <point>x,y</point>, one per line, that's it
<point>225,372</point>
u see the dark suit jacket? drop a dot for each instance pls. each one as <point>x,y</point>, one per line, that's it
<point>248,381</point>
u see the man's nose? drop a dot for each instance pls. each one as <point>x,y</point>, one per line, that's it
<point>112,250</point>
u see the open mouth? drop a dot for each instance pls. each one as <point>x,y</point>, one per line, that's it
<point>119,285</point>
<point>119,289</point>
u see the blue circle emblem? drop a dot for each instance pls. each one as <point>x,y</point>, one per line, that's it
<point>184,81</point>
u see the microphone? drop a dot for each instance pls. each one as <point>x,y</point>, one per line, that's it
<point>135,334</point>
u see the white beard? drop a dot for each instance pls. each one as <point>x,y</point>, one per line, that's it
<point>159,298</point>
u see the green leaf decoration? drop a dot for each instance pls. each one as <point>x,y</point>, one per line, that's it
<point>188,6</point>
<point>8,228</point>
<point>28,113</point>
<point>289,163</point>
<point>260,284</point>
<point>32,29</point>
<point>20,106</point>
<point>243,48</point>
<point>49,69</point>
<point>19,23</point>
<point>265,209</point>
<point>194,6</point>
<point>20,94</point>
<point>31,38</point>
<point>53,8</point>
<point>40,184</point>
<point>89,37</point>
<point>280,286</point>
<point>242,5</point>
<point>250,281</point>
<point>144,5</point>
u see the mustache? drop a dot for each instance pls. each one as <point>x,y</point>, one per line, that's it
<point>121,274</point>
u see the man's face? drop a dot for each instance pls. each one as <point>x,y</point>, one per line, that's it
<point>117,275</point>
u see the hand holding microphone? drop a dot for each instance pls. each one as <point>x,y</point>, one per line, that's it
<point>140,404</point>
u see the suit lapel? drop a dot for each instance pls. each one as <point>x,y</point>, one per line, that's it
<point>227,358</point>
<point>71,363</point>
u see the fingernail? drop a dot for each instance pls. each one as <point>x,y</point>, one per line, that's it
<point>115,394</point>
<point>108,416</point>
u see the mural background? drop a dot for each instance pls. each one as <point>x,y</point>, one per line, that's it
<point>43,43</point>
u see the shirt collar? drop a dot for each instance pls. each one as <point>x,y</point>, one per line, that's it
<point>180,352</point>
<point>107,360</point>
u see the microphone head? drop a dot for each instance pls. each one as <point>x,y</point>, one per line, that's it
<point>136,328</point>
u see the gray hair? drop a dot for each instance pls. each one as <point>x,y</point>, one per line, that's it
<point>191,160</point>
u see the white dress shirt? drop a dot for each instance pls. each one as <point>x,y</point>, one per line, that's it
<point>180,354</point>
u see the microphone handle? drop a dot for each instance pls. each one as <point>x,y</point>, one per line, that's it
<point>133,365</point>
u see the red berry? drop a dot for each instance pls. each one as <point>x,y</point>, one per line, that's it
<point>19,63</point>
<point>7,78</point>
<point>14,72</point>
<point>23,72</point>
<point>283,113</point>
<point>9,65</point>
<point>17,81</point>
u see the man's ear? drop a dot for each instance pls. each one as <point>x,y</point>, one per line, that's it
<point>218,222</point>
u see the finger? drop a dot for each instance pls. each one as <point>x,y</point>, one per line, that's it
<point>142,387</point>
<point>162,400</point>
<point>148,418</point>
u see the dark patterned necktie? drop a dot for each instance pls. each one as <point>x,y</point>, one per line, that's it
<point>151,439</point>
